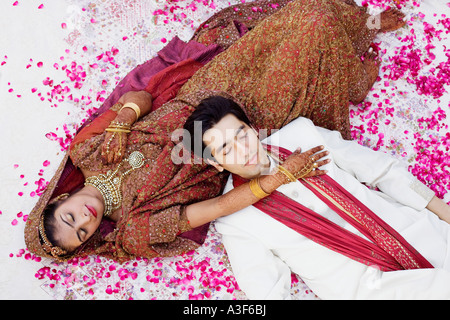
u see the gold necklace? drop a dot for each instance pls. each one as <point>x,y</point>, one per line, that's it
<point>109,184</point>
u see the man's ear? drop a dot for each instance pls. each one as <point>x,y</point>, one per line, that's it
<point>214,164</point>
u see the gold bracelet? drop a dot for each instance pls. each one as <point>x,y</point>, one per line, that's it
<point>110,129</point>
<point>289,175</point>
<point>306,170</point>
<point>115,126</point>
<point>256,189</point>
<point>133,106</point>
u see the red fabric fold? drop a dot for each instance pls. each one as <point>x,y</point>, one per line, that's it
<point>164,85</point>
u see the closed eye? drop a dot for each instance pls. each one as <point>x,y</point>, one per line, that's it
<point>244,136</point>
<point>70,218</point>
<point>226,150</point>
<point>84,233</point>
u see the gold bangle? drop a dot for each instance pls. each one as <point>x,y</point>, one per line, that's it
<point>133,106</point>
<point>256,189</point>
<point>289,175</point>
<point>117,124</point>
<point>117,130</point>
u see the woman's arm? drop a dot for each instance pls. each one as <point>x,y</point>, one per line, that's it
<point>241,197</point>
<point>115,142</point>
<point>142,99</point>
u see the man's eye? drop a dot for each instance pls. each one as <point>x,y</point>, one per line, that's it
<point>242,135</point>
<point>226,151</point>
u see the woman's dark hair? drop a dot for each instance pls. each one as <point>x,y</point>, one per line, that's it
<point>207,114</point>
<point>50,223</point>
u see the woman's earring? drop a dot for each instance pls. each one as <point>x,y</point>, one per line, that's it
<point>64,195</point>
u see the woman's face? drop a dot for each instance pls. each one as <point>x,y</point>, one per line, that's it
<point>77,218</point>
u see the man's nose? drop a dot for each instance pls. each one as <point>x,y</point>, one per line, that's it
<point>241,148</point>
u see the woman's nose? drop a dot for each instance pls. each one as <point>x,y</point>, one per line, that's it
<point>84,217</point>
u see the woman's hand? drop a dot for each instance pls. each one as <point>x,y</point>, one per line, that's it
<point>294,164</point>
<point>114,147</point>
<point>307,162</point>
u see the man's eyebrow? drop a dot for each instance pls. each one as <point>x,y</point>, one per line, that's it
<point>226,142</point>
<point>67,222</point>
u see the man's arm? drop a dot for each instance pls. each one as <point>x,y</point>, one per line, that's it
<point>259,273</point>
<point>383,171</point>
<point>440,208</point>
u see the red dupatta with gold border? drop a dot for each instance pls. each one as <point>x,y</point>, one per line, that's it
<point>387,249</point>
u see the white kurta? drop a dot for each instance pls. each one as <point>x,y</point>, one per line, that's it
<point>263,251</point>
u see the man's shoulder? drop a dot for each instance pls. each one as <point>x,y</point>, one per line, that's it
<point>297,133</point>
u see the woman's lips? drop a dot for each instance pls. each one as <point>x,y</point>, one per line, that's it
<point>92,210</point>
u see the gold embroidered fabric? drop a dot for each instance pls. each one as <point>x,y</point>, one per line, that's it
<point>154,193</point>
<point>303,60</point>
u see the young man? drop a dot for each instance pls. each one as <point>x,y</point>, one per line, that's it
<point>344,261</point>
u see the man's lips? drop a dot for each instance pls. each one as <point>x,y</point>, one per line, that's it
<point>92,210</point>
<point>253,160</point>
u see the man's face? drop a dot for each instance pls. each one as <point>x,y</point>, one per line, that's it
<point>236,148</point>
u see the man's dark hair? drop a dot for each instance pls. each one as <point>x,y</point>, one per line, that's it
<point>208,113</point>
